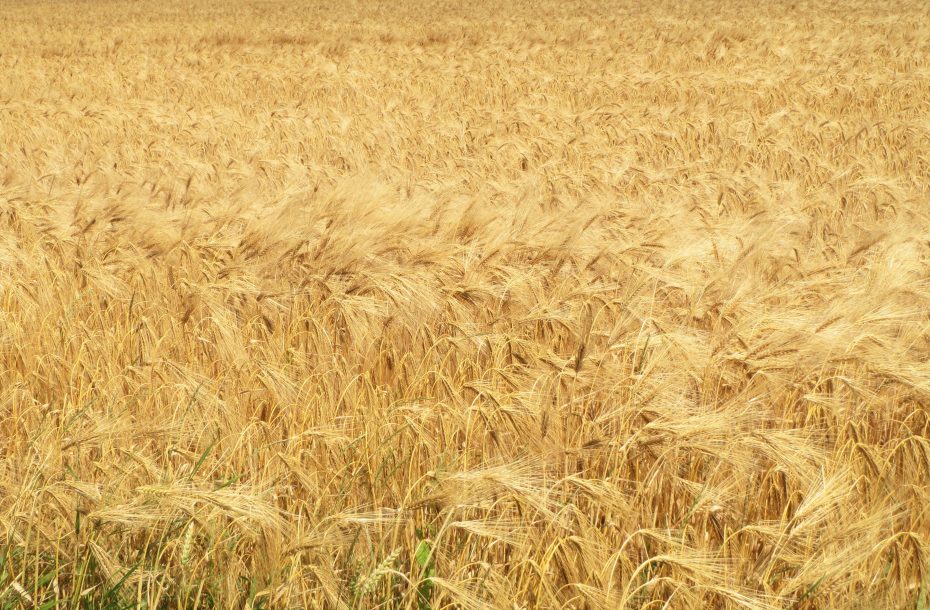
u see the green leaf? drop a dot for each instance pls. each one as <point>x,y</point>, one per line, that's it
<point>424,557</point>
<point>424,553</point>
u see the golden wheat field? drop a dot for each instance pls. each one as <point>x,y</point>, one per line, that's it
<point>455,305</point>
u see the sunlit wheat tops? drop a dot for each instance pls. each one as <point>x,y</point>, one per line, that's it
<point>443,305</point>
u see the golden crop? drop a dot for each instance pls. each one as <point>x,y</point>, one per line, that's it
<point>434,305</point>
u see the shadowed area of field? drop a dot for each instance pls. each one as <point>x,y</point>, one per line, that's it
<point>434,305</point>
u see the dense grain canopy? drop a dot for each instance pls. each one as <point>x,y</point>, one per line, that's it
<point>433,305</point>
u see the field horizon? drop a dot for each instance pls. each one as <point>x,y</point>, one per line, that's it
<point>440,305</point>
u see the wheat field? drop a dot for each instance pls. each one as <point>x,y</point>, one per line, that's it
<point>440,305</point>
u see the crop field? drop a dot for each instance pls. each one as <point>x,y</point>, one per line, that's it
<point>433,305</point>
